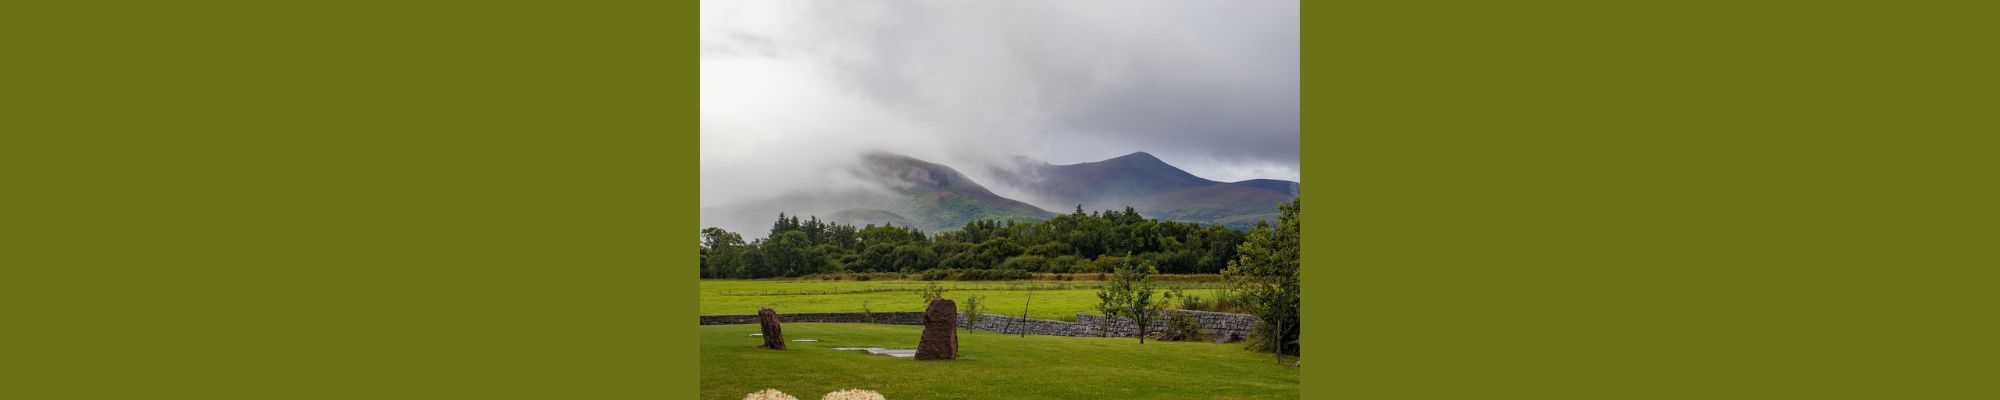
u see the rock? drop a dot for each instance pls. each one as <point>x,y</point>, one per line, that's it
<point>853,394</point>
<point>940,340</point>
<point>769,394</point>
<point>774,337</point>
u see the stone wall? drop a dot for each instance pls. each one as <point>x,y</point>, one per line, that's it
<point>893,318</point>
<point>1012,324</point>
<point>1214,323</point>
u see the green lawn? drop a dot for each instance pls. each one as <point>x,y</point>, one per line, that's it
<point>1056,300</point>
<point>991,366</point>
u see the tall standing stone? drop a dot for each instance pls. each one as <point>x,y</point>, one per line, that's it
<point>940,341</point>
<point>774,338</point>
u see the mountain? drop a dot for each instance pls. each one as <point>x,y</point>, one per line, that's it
<point>932,197</point>
<point>1129,176</point>
<point>1280,186</point>
<point>1151,186</point>
<point>906,191</point>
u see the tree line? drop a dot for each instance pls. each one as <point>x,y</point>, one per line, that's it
<point>1069,243</point>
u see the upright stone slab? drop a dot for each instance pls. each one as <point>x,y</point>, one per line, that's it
<point>940,341</point>
<point>774,338</point>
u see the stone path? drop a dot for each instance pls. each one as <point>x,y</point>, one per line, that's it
<point>898,353</point>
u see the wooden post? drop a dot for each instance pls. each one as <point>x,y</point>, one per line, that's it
<point>1280,340</point>
<point>1024,313</point>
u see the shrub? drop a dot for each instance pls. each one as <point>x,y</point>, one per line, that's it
<point>1063,264</point>
<point>1228,301</point>
<point>1196,302</point>
<point>1260,340</point>
<point>931,292</point>
<point>945,274</point>
<point>936,274</point>
<point>972,311</point>
<point>1105,264</point>
<point>1182,326</point>
<point>855,276</point>
<point>1025,263</point>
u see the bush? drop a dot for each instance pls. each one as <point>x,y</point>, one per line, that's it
<point>944,274</point>
<point>993,275</point>
<point>931,292</point>
<point>1064,264</point>
<point>1103,264</point>
<point>1260,340</point>
<point>1182,326</point>
<point>1228,301</point>
<point>937,274</point>
<point>856,276</point>
<point>1196,302</point>
<point>1025,263</point>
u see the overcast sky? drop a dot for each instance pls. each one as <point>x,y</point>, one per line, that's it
<point>791,90</point>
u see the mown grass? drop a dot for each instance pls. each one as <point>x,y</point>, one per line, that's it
<point>990,366</point>
<point>1056,300</point>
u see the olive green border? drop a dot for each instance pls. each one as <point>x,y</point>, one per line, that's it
<point>1673,200</point>
<point>350,200</point>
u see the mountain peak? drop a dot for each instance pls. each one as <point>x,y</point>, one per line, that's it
<point>1138,155</point>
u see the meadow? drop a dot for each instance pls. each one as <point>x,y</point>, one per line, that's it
<point>990,366</point>
<point>1055,300</point>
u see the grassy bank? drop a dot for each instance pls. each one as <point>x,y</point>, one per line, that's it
<point>991,366</point>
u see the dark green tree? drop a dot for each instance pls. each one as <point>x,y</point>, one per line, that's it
<point>1266,271</point>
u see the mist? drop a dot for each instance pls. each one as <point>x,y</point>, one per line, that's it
<point>793,92</point>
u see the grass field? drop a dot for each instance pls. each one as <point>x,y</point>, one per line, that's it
<point>991,366</point>
<point>1056,300</point>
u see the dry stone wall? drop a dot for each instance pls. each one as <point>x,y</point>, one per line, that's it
<point>1214,323</point>
<point>1012,324</point>
<point>893,318</point>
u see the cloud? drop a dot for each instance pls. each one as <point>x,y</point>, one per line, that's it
<point>792,90</point>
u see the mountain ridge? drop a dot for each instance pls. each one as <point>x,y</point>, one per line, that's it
<point>936,197</point>
<point>1149,185</point>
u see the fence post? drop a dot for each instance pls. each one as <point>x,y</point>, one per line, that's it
<point>1024,313</point>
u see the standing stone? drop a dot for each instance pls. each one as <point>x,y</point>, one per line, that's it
<point>774,338</point>
<point>940,341</point>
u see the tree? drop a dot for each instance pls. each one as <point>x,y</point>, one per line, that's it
<point>721,253</point>
<point>1112,296</point>
<point>1139,305</point>
<point>972,311</point>
<point>787,254</point>
<point>1266,271</point>
<point>1129,293</point>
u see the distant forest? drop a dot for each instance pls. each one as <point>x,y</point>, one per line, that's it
<point>1072,243</point>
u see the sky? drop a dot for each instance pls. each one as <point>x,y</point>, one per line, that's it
<point>792,91</point>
